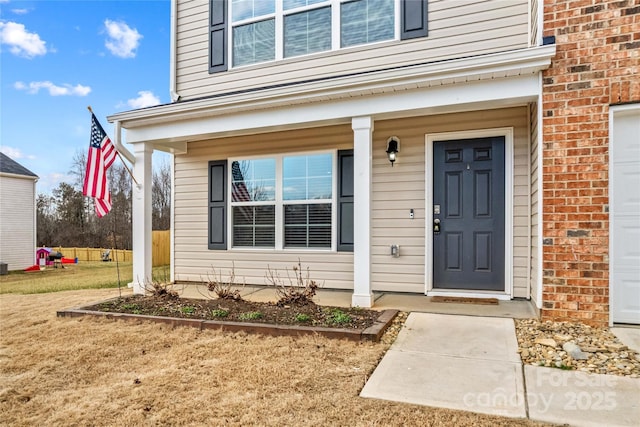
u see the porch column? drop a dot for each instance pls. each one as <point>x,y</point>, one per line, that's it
<point>141,213</point>
<point>362,141</point>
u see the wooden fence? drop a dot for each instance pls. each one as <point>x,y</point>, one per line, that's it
<point>160,251</point>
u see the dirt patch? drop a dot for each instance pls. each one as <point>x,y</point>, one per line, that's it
<point>241,311</point>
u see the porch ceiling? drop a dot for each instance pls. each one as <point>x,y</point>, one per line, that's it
<point>487,81</point>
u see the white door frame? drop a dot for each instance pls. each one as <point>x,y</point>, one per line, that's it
<point>613,273</point>
<point>430,138</point>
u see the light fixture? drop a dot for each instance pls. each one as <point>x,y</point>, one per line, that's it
<point>393,147</point>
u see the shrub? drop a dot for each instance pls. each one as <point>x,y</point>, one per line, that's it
<point>224,289</point>
<point>297,291</point>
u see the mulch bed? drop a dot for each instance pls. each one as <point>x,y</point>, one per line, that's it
<point>241,311</point>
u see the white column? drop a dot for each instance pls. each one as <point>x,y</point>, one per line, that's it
<point>141,212</point>
<point>362,155</point>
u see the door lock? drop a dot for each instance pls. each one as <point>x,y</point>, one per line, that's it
<point>436,225</point>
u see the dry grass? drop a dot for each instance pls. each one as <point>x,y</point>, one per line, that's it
<point>84,275</point>
<point>101,372</point>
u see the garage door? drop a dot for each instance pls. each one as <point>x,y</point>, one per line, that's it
<point>624,190</point>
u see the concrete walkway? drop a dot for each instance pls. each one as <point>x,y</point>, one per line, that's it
<point>471,363</point>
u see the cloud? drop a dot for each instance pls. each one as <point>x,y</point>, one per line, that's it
<point>54,90</point>
<point>20,11</point>
<point>123,40</point>
<point>15,153</point>
<point>145,99</point>
<point>22,42</point>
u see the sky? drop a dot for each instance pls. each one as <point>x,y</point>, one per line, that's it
<point>58,57</point>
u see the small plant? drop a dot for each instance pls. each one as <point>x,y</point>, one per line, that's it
<point>162,290</point>
<point>299,291</point>
<point>219,312</point>
<point>302,318</point>
<point>188,309</point>
<point>224,289</point>
<point>130,306</point>
<point>339,317</point>
<point>251,315</point>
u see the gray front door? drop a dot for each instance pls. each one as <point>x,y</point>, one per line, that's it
<point>468,212</point>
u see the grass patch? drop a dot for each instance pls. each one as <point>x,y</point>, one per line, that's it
<point>84,275</point>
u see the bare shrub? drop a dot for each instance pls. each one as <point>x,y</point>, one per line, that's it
<point>298,290</point>
<point>159,289</point>
<point>224,289</point>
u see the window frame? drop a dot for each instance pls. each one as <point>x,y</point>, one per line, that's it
<point>279,17</point>
<point>280,203</point>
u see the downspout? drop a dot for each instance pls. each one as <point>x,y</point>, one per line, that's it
<point>175,97</point>
<point>117,140</point>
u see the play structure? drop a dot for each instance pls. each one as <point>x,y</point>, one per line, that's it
<point>47,257</point>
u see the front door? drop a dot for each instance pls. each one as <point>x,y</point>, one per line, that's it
<point>468,214</point>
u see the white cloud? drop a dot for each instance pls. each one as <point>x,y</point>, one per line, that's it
<point>15,153</point>
<point>145,99</point>
<point>21,42</point>
<point>54,90</point>
<point>20,11</point>
<point>123,40</point>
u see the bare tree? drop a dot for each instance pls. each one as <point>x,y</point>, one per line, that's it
<point>161,197</point>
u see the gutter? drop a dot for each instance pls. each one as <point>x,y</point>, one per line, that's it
<point>175,97</point>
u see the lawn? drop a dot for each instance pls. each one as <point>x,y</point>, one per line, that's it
<point>84,275</point>
<point>87,371</point>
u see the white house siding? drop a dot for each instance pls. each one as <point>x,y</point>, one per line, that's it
<point>194,261</point>
<point>395,191</point>
<point>457,29</point>
<point>17,222</point>
<point>535,197</point>
<point>400,188</point>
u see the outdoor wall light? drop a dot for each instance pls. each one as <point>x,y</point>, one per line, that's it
<point>393,147</point>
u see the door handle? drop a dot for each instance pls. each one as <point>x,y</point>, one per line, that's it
<point>436,225</point>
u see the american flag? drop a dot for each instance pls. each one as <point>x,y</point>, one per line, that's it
<point>101,156</point>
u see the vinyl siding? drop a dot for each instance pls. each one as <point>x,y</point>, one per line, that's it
<point>194,262</point>
<point>17,222</point>
<point>535,268</point>
<point>457,29</point>
<point>401,188</point>
<point>395,191</point>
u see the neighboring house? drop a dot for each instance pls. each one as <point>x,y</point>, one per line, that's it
<point>17,214</point>
<point>285,116</point>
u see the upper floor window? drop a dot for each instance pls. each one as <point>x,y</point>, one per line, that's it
<point>244,32</point>
<point>266,30</point>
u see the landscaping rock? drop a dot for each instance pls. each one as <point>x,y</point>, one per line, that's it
<point>574,351</point>
<point>596,350</point>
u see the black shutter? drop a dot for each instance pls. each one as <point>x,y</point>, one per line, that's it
<point>218,204</point>
<point>413,14</point>
<point>345,200</point>
<point>218,36</point>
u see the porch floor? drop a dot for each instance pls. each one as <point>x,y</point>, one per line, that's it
<point>409,302</point>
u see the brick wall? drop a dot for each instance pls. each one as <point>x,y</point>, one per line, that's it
<point>597,64</point>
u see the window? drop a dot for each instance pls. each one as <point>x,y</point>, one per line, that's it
<point>289,201</point>
<point>256,31</point>
<point>288,196</point>
<point>264,30</point>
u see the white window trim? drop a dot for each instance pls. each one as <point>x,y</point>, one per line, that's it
<point>279,203</point>
<point>279,15</point>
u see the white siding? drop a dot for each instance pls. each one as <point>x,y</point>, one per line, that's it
<point>194,261</point>
<point>401,188</point>
<point>457,29</point>
<point>535,270</point>
<point>17,222</point>
<point>395,191</point>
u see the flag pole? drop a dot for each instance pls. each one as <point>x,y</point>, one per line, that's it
<point>120,155</point>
